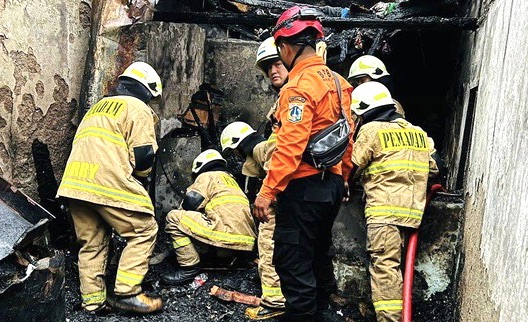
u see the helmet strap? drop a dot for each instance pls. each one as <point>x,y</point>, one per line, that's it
<point>297,54</point>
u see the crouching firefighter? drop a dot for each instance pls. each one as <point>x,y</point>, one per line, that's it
<point>112,153</point>
<point>214,211</point>
<point>396,158</point>
<point>256,150</point>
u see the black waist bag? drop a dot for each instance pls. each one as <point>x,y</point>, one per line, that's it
<point>327,147</point>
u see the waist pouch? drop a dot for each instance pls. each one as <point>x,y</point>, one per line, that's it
<point>327,147</point>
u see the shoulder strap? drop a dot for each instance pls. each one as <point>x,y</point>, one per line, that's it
<point>338,86</point>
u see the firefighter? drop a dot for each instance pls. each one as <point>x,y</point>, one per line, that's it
<point>214,211</point>
<point>395,159</point>
<point>307,199</point>
<point>242,138</point>
<point>272,303</point>
<point>112,154</point>
<point>367,68</point>
<point>269,63</point>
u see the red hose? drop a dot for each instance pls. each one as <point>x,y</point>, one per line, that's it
<point>409,262</point>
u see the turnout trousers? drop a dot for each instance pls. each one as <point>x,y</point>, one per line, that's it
<point>305,214</point>
<point>93,227</point>
<point>270,282</point>
<point>384,246</point>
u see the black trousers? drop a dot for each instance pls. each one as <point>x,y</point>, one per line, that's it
<point>305,214</point>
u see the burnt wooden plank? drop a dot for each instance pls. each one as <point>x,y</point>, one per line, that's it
<point>413,23</point>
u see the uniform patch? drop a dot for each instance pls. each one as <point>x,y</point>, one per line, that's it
<point>295,108</point>
<point>297,99</point>
<point>295,112</point>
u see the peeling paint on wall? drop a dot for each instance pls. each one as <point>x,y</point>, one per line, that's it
<point>25,66</point>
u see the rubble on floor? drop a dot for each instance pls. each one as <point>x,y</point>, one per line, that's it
<point>31,272</point>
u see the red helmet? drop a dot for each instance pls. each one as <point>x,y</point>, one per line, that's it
<point>295,20</point>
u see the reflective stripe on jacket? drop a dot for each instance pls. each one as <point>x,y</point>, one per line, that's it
<point>227,208</point>
<point>396,158</point>
<point>102,160</point>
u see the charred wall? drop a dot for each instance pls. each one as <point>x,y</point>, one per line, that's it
<point>488,136</point>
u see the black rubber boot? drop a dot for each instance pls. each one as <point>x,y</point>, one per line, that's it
<point>328,314</point>
<point>181,276</point>
<point>140,303</point>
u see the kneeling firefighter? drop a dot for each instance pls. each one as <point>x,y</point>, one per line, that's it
<point>214,211</point>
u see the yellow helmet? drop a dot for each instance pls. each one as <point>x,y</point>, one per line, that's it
<point>367,65</point>
<point>369,96</point>
<point>266,51</point>
<point>146,75</point>
<point>204,158</point>
<point>234,133</point>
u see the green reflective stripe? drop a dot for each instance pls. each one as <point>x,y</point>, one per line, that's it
<point>394,212</point>
<point>397,165</point>
<point>272,138</point>
<point>92,298</point>
<point>108,192</point>
<point>180,242</point>
<point>271,291</point>
<point>100,133</point>
<point>241,200</point>
<point>216,235</point>
<point>129,278</point>
<point>388,305</point>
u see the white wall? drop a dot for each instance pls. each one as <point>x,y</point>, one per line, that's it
<point>494,281</point>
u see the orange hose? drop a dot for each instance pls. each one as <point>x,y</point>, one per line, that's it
<point>409,262</point>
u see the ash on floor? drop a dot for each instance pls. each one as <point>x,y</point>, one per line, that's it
<point>181,303</point>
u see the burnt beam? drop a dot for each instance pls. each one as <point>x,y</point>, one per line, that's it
<point>253,20</point>
<point>269,4</point>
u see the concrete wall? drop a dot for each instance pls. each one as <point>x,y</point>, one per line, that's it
<point>230,64</point>
<point>494,280</point>
<point>42,52</point>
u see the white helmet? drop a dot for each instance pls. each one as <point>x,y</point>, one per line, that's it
<point>146,75</point>
<point>367,65</point>
<point>266,51</point>
<point>368,96</point>
<point>234,133</point>
<point>206,157</point>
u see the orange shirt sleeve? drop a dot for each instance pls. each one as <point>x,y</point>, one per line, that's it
<point>295,114</point>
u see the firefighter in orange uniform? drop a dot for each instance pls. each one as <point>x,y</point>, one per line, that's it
<point>112,153</point>
<point>307,199</point>
<point>396,159</point>
<point>214,211</point>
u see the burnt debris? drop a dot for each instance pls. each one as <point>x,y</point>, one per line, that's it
<point>31,272</point>
<point>351,27</point>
